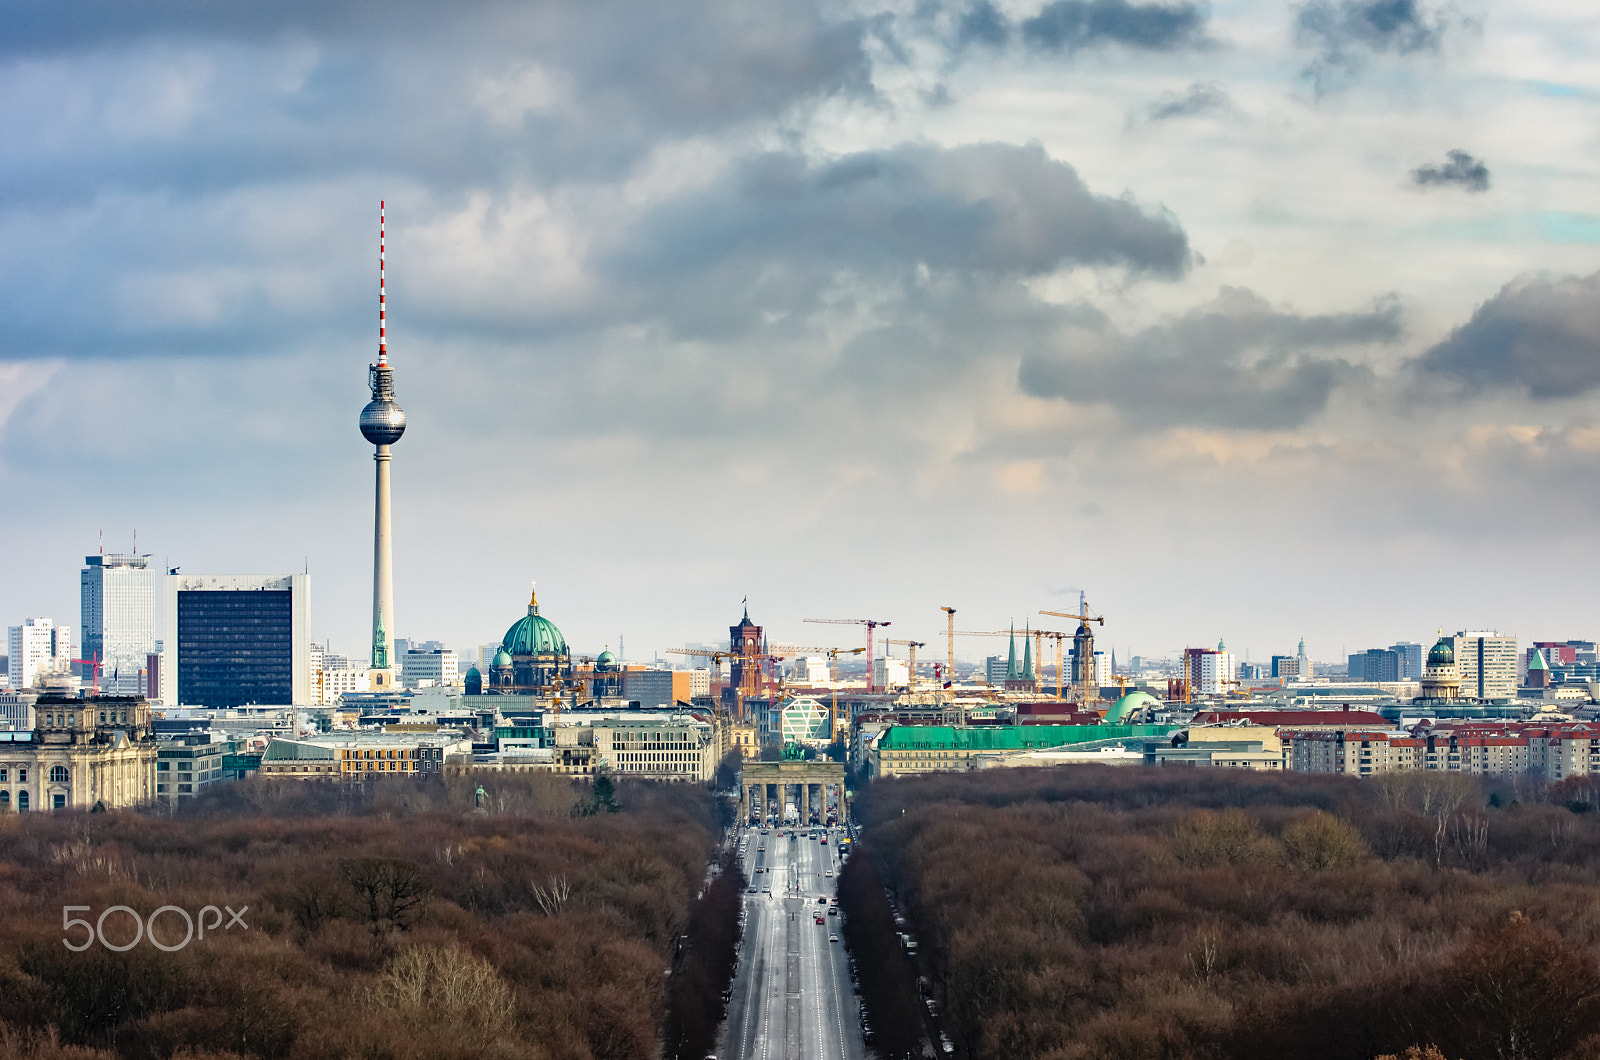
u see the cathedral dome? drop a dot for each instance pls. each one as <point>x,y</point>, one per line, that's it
<point>501,658</point>
<point>533,634</point>
<point>606,661</point>
<point>1443,653</point>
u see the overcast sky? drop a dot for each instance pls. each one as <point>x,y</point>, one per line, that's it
<point>1253,320</point>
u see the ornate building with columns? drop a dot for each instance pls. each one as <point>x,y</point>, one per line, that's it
<point>83,752</point>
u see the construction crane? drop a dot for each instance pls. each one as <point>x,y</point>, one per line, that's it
<point>782,650</point>
<point>94,665</point>
<point>1088,680</point>
<point>833,711</point>
<point>950,650</point>
<point>870,623</point>
<point>911,668</point>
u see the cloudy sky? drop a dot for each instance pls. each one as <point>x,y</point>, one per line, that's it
<point>1253,320</point>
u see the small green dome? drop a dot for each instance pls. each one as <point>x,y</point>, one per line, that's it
<point>472,671</point>
<point>501,658</point>
<point>606,661</point>
<point>1443,653</point>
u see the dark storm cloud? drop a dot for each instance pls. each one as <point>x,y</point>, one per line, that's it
<point>1344,34</point>
<point>1202,97</point>
<point>1459,169</point>
<point>438,91</point>
<point>779,232</point>
<point>1070,25</point>
<point>1235,363</point>
<point>1538,335</point>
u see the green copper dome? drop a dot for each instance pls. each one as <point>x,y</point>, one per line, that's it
<point>533,634</point>
<point>606,661</point>
<point>501,658</point>
<point>1128,704</point>
<point>1443,653</point>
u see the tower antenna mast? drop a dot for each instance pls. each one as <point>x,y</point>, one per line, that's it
<point>383,306</point>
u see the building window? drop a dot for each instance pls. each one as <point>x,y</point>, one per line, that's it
<point>58,802</point>
<point>22,801</point>
<point>22,776</point>
<point>58,774</point>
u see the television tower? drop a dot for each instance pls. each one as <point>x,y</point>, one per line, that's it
<point>383,421</point>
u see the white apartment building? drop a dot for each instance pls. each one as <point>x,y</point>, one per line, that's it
<point>36,647</point>
<point>336,683</point>
<point>1210,671</point>
<point>116,602</point>
<point>1488,664</point>
<point>811,669</point>
<point>888,672</point>
<point>699,682</point>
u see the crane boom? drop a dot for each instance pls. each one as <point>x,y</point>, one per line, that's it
<point>870,623</point>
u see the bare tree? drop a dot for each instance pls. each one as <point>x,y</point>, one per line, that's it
<point>389,893</point>
<point>553,898</point>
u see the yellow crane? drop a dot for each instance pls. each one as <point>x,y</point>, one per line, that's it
<point>911,669</point>
<point>950,648</point>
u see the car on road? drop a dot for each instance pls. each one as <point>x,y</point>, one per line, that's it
<point>833,938</point>
<point>820,920</point>
<point>833,911</point>
<point>822,899</point>
<point>829,874</point>
<point>767,892</point>
<point>752,890</point>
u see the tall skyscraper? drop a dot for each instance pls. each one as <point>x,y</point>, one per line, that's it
<point>235,639</point>
<point>38,646</point>
<point>382,424</point>
<point>117,597</point>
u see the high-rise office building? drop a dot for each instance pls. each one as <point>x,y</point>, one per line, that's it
<point>36,647</point>
<point>1410,660</point>
<point>1376,664</point>
<point>1487,662</point>
<point>235,639</point>
<point>117,597</point>
<point>435,666</point>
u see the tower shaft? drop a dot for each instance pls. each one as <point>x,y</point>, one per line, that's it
<point>382,554</point>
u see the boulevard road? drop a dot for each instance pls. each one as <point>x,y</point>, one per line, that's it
<point>791,998</point>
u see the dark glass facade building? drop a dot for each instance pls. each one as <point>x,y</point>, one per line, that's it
<point>235,640</point>
<point>235,648</point>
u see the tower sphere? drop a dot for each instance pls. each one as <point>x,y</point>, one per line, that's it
<point>382,422</point>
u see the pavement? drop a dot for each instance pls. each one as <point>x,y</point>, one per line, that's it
<point>791,998</point>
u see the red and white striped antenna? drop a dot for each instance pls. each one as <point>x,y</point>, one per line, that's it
<point>383,340</point>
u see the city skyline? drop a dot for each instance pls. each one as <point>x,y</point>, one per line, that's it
<point>1256,322</point>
